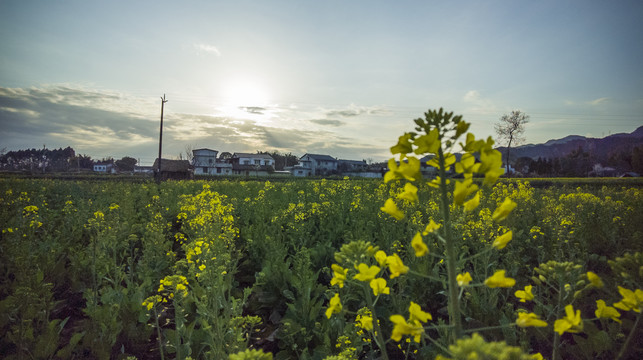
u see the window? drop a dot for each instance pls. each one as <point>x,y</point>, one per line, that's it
<point>218,170</point>
<point>246,162</point>
<point>205,170</point>
<point>257,162</point>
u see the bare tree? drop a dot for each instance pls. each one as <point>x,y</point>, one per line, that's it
<point>510,130</point>
<point>189,154</point>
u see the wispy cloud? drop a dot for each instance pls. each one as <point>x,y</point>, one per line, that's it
<point>208,49</point>
<point>353,111</point>
<point>327,122</point>
<point>479,104</point>
<point>598,101</point>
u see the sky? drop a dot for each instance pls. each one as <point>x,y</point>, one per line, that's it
<point>343,78</point>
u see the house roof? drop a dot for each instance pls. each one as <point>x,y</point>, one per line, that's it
<point>353,162</point>
<point>172,165</point>
<point>320,157</point>
<point>260,156</point>
<point>206,149</point>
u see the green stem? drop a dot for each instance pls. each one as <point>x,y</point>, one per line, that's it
<point>554,355</point>
<point>425,276</point>
<point>454,304</point>
<point>483,252</point>
<point>629,337</point>
<point>376,324</point>
<point>177,325</point>
<point>489,328</point>
<point>158,332</point>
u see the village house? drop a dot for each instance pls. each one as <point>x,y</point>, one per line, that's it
<point>106,167</point>
<point>205,162</point>
<point>173,169</point>
<point>317,164</point>
<point>252,164</point>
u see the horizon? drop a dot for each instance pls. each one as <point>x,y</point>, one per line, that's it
<point>336,78</point>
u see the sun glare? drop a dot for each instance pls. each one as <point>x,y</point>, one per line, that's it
<point>245,93</point>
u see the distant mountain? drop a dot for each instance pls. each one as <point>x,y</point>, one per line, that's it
<point>599,148</point>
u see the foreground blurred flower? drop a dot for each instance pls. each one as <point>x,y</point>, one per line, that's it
<point>391,209</point>
<point>498,279</point>
<point>419,246</point>
<point>463,279</point>
<point>571,323</point>
<point>396,266</point>
<point>632,300</point>
<point>525,295</point>
<point>366,273</point>
<point>379,286</point>
<point>403,328</point>
<point>606,312</point>
<point>417,315</point>
<point>502,240</point>
<point>339,275</point>
<point>410,193</point>
<point>503,210</point>
<point>594,280</point>
<point>529,320</point>
<point>433,226</point>
<point>334,307</point>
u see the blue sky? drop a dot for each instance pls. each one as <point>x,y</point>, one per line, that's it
<point>343,78</point>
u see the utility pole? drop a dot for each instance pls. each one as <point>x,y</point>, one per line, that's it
<point>158,175</point>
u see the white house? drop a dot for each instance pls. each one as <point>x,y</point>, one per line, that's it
<point>252,164</point>
<point>253,159</point>
<point>104,167</point>
<point>205,162</point>
<point>318,164</point>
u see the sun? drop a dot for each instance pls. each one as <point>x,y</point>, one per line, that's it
<point>245,93</point>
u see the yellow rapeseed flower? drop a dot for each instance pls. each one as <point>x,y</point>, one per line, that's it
<point>502,240</point>
<point>498,279</point>
<point>380,257</point>
<point>410,193</point>
<point>403,328</point>
<point>632,300</point>
<point>428,143</point>
<point>571,323</point>
<point>396,266</point>
<point>365,322</point>
<point>525,295</point>
<point>463,279</point>
<point>339,275</point>
<point>594,280</point>
<point>529,320</point>
<point>419,246</point>
<point>470,205</point>
<point>503,210</point>
<point>433,226</point>
<point>334,307</point>
<point>366,273</point>
<point>417,316</point>
<point>403,145</point>
<point>606,312</point>
<point>462,190</point>
<point>391,209</point>
<point>379,286</point>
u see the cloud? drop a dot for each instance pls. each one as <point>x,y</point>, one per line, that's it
<point>326,122</point>
<point>478,104</point>
<point>354,111</point>
<point>209,49</point>
<point>253,109</point>
<point>598,101</point>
